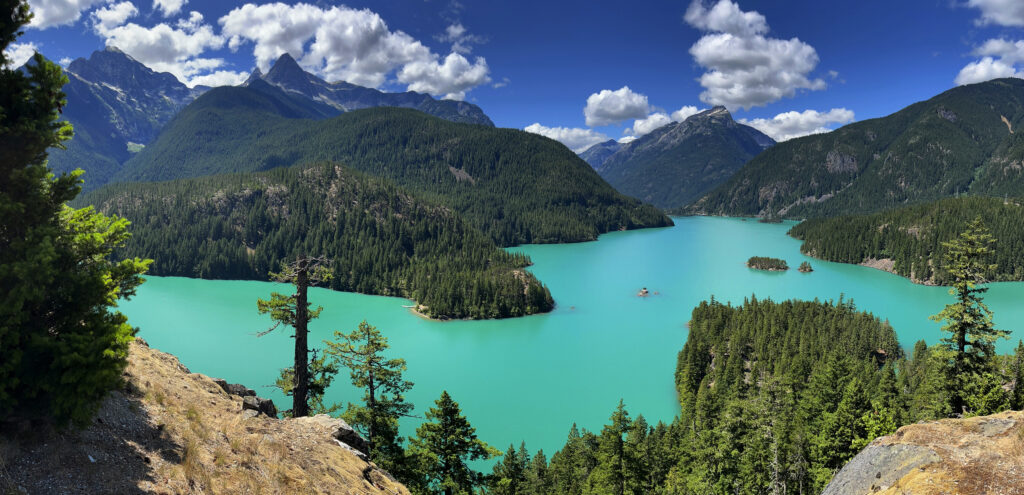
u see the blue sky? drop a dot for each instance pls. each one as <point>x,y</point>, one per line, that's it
<point>561,68</point>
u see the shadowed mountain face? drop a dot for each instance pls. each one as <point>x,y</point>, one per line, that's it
<point>116,104</point>
<point>679,162</point>
<point>965,140</point>
<point>343,97</point>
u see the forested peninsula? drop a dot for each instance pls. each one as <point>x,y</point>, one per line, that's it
<point>380,238</point>
<point>910,241</point>
<point>765,407</point>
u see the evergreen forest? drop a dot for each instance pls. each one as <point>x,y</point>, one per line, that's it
<point>914,237</point>
<point>380,238</point>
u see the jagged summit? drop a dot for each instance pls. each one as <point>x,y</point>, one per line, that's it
<point>680,161</point>
<point>341,96</point>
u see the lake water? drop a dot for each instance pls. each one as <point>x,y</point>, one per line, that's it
<point>532,378</point>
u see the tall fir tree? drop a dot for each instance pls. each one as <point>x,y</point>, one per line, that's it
<point>443,448</point>
<point>362,352</point>
<point>294,311</point>
<point>970,346</point>
<point>63,345</point>
<point>1017,375</point>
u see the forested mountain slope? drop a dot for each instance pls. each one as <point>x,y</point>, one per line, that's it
<point>515,186</point>
<point>381,239</point>
<point>965,140</point>
<point>681,161</point>
<point>908,241</point>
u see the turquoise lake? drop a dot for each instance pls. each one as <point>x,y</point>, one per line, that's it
<point>532,378</point>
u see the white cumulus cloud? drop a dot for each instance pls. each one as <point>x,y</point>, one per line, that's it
<point>176,49</point>
<point>169,7</point>
<point>611,107</point>
<point>351,45</point>
<point>50,13</point>
<point>648,124</point>
<point>999,58</point>
<point>574,138</point>
<point>744,67</point>
<point>451,78</point>
<point>113,15</point>
<point>793,124</point>
<point>17,54</point>
<point>1001,12</point>
<point>687,110</point>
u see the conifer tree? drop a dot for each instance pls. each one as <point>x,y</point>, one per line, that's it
<point>970,347</point>
<point>294,311</point>
<point>1017,377</point>
<point>443,447</point>
<point>362,352</point>
<point>609,476</point>
<point>62,346</point>
<point>509,476</point>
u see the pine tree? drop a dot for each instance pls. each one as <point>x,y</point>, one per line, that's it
<point>509,476</point>
<point>1017,374</point>
<point>970,346</point>
<point>609,476</point>
<point>294,311</point>
<point>362,352</point>
<point>63,346</point>
<point>443,447</point>
<point>321,374</point>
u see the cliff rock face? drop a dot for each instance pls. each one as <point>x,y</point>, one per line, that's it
<point>976,455</point>
<point>172,431</point>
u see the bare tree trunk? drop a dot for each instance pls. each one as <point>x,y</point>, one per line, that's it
<point>300,406</point>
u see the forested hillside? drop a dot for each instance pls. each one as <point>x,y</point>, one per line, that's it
<point>380,238</point>
<point>965,140</point>
<point>775,398</point>
<point>912,237</point>
<point>514,186</point>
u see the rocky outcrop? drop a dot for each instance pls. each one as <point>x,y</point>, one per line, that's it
<point>250,402</point>
<point>172,431</point>
<point>976,455</point>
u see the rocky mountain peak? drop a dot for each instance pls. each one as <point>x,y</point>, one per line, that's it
<point>717,112</point>
<point>285,66</point>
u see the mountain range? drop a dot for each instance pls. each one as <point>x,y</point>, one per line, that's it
<point>681,161</point>
<point>967,140</point>
<point>343,97</point>
<point>117,106</point>
<point>515,186</point>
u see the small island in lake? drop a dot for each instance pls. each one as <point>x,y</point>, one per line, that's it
<point>805,267</point>
<point>766,263</point>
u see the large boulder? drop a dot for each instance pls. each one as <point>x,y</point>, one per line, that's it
<point>234,388</point>
<point>340,431</point>
<point>259,404</point>
<point>984,454</point>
